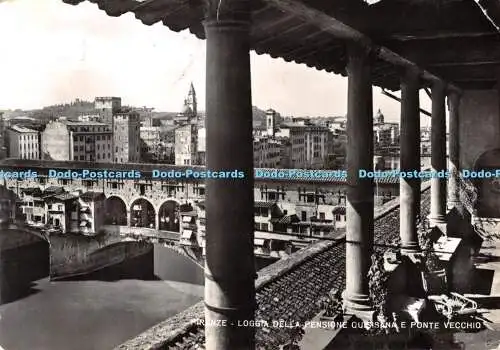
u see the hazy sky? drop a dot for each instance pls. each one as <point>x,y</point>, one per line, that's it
<point>52,52</point>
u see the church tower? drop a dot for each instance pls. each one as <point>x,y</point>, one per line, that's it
<point>191,101</point>
<point>271,122</point>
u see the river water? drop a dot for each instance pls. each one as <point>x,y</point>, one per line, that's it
<point>99,315</point>
<point>99,312</point>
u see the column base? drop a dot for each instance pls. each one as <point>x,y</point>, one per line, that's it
<point>438,222</point>
<point>453,204</point>
<point>358,304</point>
<point>409,248</point>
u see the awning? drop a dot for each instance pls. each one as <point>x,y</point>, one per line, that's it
<point>258,242</point>
<point>187,234</point>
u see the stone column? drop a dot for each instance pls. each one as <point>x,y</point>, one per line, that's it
<point>360,201</point>
<point>230,267</point>
<point>409,188</point>
<point>129,218</point>
<point>437,215</point>
<point>454,149</point>
<point>157,219</point>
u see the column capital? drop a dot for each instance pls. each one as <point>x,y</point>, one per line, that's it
<point>408,73</point>
<point>357,51</point>
<point>217,11</point>
<point>439,85</point>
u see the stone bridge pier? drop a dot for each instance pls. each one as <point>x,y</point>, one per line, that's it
<point>24,257</point>
<point>121,252</point>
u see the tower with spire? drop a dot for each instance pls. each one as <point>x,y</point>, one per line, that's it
<point>191,100</point>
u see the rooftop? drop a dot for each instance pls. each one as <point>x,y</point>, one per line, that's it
<point>22,129</point>
<point>83,123</point>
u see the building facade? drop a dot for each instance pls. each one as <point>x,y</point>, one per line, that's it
<point>78,141</point>
<point>126,136</point>
<point>311,145</point>
<point>23,143</point>
<point>268,152</point>
<point>150,143</point>
<point>106,107</point>
<point>186,145</point>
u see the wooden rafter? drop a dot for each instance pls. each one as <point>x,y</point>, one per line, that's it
<point>342,31</point>
<point>491,9</point>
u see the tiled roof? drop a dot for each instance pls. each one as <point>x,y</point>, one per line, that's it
<point>22,129</point>
<point>310,273</point>
<point>32,191</point>
<point>287,219</point>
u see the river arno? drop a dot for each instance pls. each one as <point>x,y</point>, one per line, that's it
<point>98,315</point>
<point>99,312</point>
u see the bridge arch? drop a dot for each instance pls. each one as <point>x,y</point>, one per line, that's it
<point>142,213</point>
<point>116,211</point>
<point>169,215</point>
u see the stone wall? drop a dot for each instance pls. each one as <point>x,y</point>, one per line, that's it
<point>21,265</point>
<point>479,125</point>
<point>74,255</point>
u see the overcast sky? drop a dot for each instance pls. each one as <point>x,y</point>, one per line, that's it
<point>52,52</point>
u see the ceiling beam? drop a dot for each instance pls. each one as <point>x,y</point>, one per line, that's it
<point>477,85</point>
<point>466,64</point>
<point>491,10</point>
<point>457,73</point>
<point>455,51</point>
<point>342,31</point>
<point>439,36</point>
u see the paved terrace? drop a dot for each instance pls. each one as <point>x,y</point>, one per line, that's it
<point>287,290</point>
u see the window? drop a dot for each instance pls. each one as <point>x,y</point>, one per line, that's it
<point>322,216</point>
<point>304,216</point>
<point>337,217</point>
<point>264,227</point>
<point>256,226</point>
